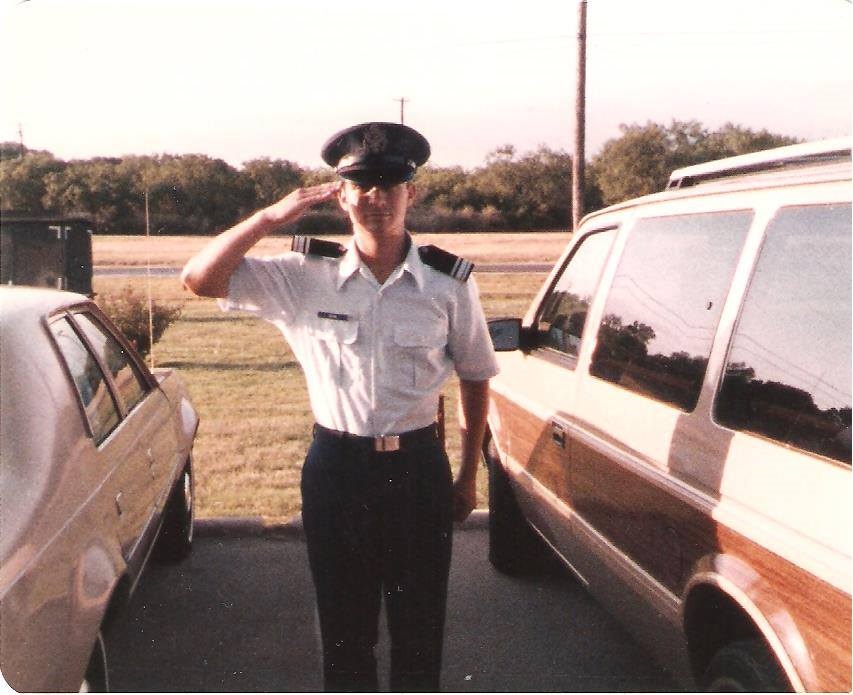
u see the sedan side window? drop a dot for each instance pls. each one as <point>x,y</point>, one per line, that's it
<point>129,383</point>
<point>90,382</point>
<point>563,312</point>
<point>662,311</point>
<point>788,371</point>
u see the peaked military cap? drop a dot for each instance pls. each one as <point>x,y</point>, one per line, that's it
<point>376,153</point>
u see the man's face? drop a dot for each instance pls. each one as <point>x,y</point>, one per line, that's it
<point>378,209</point>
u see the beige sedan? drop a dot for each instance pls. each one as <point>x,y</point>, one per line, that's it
<point>96,474</point>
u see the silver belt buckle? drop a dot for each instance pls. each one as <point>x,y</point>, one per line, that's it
<point>390,442</point>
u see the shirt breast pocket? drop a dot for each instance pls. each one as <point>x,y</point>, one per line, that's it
<point>333,339</point>
<point>420,353</point>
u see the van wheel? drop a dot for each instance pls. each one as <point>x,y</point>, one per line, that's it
<point>744,666</point>
<point>514,547</point>
<point>176,534</point>
<point>96,679</point>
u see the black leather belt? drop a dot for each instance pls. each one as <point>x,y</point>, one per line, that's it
<point>386,443</point>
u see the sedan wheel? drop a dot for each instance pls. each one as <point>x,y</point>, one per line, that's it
<point>176,535</point>
<point>96,680</point>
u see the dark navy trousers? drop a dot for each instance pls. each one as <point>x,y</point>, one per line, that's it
<point>378,525</point>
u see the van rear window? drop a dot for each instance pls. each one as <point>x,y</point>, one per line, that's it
<point>663,307</point>
<point>788,371</point>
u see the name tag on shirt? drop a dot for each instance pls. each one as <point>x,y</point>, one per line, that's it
<point>333,317</point>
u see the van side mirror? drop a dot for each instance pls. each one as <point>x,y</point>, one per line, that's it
<point>506,334</point>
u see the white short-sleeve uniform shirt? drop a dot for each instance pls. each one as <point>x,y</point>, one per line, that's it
<point>375,356</point>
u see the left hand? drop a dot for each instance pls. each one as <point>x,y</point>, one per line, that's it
<point>464,497</point>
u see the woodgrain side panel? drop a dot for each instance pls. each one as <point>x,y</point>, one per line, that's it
<point>527,439</point>
<point>667,529</point>
<point>667,536</point>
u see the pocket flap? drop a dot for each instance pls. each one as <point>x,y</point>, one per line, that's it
<point>345,332</point>
<point>419,336</point>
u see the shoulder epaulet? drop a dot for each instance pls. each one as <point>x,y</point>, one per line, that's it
<point>317,247</point>
<point>446,262</point>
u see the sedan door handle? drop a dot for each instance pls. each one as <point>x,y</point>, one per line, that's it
<point>558,435</point>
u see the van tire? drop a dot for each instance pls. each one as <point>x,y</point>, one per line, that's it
<point>176,534</point>
<point>745,666</point>
<point>514,548</point>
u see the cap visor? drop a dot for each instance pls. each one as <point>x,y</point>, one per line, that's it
<point>374,177</point>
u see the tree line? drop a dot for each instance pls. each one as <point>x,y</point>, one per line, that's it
<point>198,194</point>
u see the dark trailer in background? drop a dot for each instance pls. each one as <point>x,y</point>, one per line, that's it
<point>46,251</point>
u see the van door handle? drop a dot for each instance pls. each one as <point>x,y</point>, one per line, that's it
<point>558,435</point>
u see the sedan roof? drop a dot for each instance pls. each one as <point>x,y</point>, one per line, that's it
<point>17,302</point>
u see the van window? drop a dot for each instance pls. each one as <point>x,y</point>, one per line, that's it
<point>788,371</point>
<point>662,310</point>
<point>564,309</point>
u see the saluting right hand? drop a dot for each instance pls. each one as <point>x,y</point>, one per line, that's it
<point>298,202</point>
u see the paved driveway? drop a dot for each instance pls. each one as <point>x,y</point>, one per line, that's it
<point>238,615</point>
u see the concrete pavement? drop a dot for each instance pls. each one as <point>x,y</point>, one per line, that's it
<point>238,615</point>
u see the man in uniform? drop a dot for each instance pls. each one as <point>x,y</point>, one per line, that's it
<point>378,325</point>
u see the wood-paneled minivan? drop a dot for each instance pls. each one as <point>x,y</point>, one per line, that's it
<point>673,418</point>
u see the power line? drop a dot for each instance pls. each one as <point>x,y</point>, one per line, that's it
<point>593,36</point>
<point>708,32</point>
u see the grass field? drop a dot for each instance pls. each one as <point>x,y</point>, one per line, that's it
<point>247,387</point>
<point>487,247</point>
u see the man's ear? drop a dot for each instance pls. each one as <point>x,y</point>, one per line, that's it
<point>412,193</point>
<point>342,198</point>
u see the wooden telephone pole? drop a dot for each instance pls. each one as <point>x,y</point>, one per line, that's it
<point>580,121</point>
<point>402,101</point>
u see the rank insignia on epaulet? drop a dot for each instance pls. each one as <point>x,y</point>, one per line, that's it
<point>446,262</point>
<point>317,247</point>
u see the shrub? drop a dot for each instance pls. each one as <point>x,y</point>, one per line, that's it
<point>442,219</point>
<point>323,221</point>
<point>128,310</point>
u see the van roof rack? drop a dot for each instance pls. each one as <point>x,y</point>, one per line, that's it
<point>767,160</point>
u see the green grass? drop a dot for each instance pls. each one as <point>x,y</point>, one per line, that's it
<point>251,396</point>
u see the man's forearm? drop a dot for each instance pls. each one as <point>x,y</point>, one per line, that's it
<point>208,272</point>
<point>474,402</point>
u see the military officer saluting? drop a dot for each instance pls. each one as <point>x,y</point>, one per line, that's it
<point>378,325</point>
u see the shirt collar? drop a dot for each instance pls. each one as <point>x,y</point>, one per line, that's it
<point>413,264</point>
<point>349,265</point>
<point>351,262</point>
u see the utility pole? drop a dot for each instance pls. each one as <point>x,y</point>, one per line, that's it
<point>21,139</point>
<point>580,121</point>
<point>402,101</point>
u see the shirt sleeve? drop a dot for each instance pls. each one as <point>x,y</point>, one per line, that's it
<point>469,343</point>
<point>264,286</point>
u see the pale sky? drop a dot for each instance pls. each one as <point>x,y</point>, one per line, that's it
<point>240,79</point>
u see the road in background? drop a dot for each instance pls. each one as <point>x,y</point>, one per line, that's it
<point>238,615</point>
